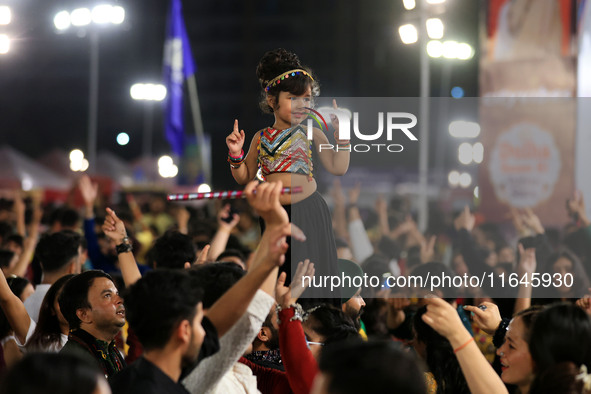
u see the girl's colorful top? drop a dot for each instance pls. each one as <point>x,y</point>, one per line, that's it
<point>286,150</point>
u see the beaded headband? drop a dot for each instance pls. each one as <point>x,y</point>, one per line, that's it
<point>285,75</point>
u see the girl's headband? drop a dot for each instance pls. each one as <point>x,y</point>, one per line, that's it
<point>285,75</point>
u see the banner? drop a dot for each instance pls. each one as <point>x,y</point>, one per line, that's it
<point>528,111</point>
<point>178,66</point>
<point>530,157</point>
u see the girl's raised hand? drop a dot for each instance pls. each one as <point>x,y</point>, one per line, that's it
<point>235,140</point>
<point>335,123</point>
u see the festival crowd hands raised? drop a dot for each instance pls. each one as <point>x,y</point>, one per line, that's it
<point>440,315</point>
<point>479,374</point>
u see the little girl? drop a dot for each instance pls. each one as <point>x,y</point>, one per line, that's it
<point>284,153</point>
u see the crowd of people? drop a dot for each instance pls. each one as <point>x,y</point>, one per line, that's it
<point>107,301</point>
<point>147,297</point>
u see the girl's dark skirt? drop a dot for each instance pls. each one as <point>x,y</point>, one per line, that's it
<point>313,217</point>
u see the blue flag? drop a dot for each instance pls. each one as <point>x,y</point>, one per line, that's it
<point>178,65</point>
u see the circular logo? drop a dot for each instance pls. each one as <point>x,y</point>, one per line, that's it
<point>524,165</point>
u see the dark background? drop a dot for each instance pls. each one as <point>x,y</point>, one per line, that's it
<point>353,46</point>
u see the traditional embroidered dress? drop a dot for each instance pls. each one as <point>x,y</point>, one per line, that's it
<point>286,150</point>
<point>290,151</point>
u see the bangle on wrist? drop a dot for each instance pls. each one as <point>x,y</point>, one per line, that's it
<point>464,345</point>
<point>237,158</point>
<point>236,161</point>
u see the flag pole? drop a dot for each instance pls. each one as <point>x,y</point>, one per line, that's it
<point>198,125</point>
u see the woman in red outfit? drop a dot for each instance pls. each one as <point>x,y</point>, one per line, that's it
<point>303,335</point>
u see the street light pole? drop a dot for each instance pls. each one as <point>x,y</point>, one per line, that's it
<point>148,128</point>
<point>86,20</point>
<point>423,200</point>
<point>430,28</point>
<point>147,92</point>
<point>93,96</point>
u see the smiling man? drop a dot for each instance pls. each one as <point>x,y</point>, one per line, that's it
<point>91,304</point>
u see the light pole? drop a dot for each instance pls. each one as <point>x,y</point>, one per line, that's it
<point>5,19</point>
<point>85,19</point>
<point>147,92</point>
<point>424,125</point>
<point>431,31</point>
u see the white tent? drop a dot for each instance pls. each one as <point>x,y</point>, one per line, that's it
<point>57,160</point>
<point>19,171</point>
<point>111,166</point>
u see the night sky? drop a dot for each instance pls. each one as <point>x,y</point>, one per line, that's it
<point>353,46</point>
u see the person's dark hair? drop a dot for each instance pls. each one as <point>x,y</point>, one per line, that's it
<point>437,269</point>
<point>528,316</point>
<point>560,333</point>
<point>413,257</point>
<point>580,280</point>
<point>75,295</point>
<point>70,218</point>
<point>374,265</point>
<point>17,239</point>
<point>5,257</point>
<point>231,253</point>
<point>201,230</point>
<point>67,217</point>
<point>47,332</point>
<point>57,250</point>
<point>215,279</point>
<point>560,379</point>
<point>276,62</point>
<point>173,250</point>
<point>389,247</point>
<point>332,324</point>
<point>5,231</point>
<point>272,343</point>
<point>371,367</point>
<point>374,318</point>
<point>51,373</point>
<point>55,215</point>
<point>17,285</point>
<point>158,302</point>
<point>440,357</point>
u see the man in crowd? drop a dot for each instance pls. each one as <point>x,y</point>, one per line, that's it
<point>173,250</point>
<point>164,309</point>
<point>59,255</point>
<point>265,347</point>
<point>91,304</point>
<point>368,367</point>
<point>352,302</point>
